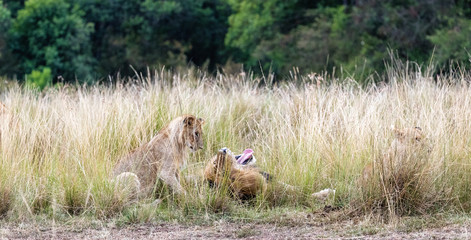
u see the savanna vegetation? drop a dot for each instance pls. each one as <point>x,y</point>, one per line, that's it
<point>313,87</point>
<point>59,146</point>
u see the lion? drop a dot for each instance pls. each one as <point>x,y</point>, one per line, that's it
<point>408,144</point>
<point>160,158</point>
<point>244,182</point>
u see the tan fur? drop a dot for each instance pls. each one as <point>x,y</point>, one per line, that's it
<point>162,157</point>
<point>407,142</point>
<point>244,183</point>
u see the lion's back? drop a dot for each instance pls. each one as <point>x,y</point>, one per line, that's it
<point>248,183</point>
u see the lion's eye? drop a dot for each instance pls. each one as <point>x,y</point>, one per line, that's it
<point>197,134</point>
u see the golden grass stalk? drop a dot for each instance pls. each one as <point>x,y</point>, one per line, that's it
<point>59,146</point>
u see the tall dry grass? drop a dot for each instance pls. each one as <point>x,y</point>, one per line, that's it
<point>58,148</point>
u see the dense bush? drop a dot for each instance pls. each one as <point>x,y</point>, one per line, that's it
<point>52,33</point>
<point>39,79</point>
<point>5,19</point>
<point>88,39</point>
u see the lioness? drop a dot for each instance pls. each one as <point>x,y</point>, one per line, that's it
<point>162,157</point>
<point>244,182</point>
<point>408,144</point>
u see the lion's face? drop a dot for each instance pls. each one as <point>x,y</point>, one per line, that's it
<point>193,133</point>
<point>410,140</point>
<point>409,135</point>
<point>224,160</point>
<point>219,167</point>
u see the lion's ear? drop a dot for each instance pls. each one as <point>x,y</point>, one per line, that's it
<point>201,121</point>
<point>189,121</point>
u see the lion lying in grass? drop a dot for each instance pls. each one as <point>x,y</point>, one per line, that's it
<point>244,182</point>
<point>161,158</point>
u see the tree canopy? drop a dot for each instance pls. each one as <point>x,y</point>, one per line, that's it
<point>86,40</point>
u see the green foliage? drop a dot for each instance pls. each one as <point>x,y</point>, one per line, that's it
<point>399,25</point>
<point>154,32</point>
<point>193,29</point>
<point>14,6</point>
<point>254,22</point>
<point>39,79</point>
<point>5,19</point>
<point>52,33</point>
<point>458,32</point>
<point>319,37</point>
<point>309,46</point>
<point>89,39</point>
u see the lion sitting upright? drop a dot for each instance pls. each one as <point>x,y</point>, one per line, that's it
<point>244,182</point>
<point>161,158</point>
<point>408,146</point>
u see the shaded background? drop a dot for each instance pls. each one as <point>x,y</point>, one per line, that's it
<point>88,40</point>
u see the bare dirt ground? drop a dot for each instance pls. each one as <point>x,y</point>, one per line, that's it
<point>233,231</point>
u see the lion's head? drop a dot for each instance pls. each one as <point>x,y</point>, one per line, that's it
<point>192,132</point>
<point>224,160</point>
<point>219,166</point>
<point>409,141</point>
<point>409,135</point>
